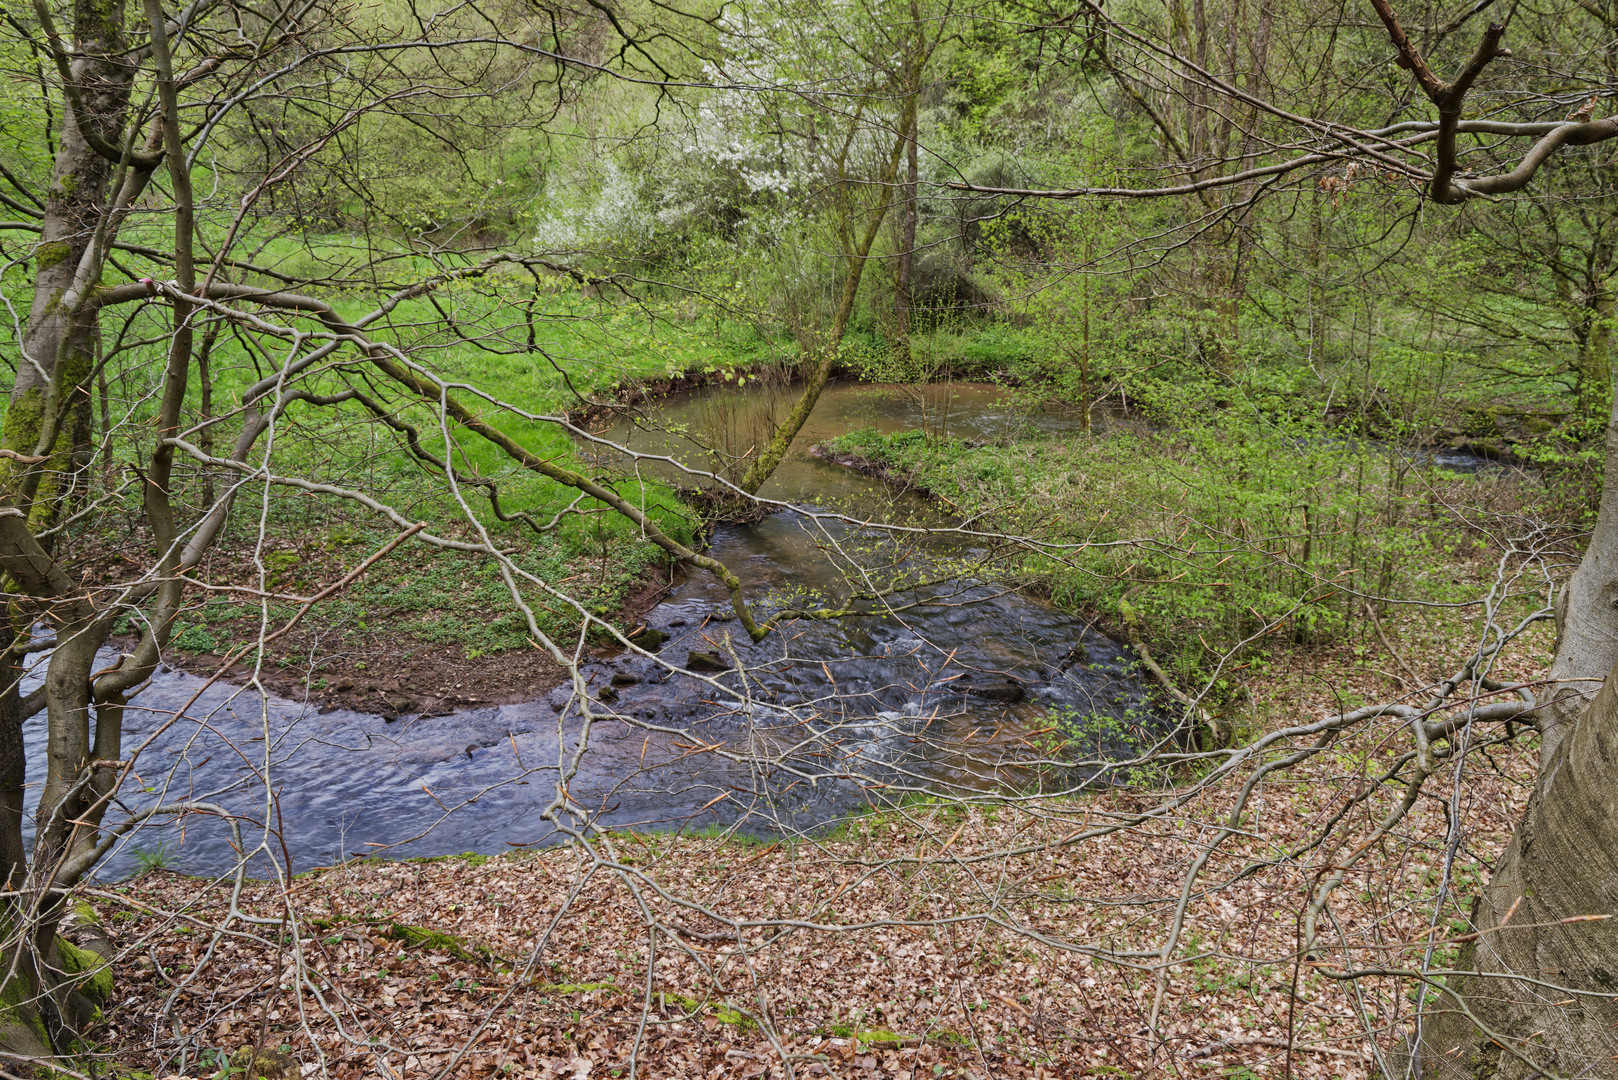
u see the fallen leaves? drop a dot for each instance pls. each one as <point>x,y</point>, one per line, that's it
<point>975,938</point>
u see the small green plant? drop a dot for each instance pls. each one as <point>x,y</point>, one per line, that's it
<point>194,637</point>
<point>159,856</point>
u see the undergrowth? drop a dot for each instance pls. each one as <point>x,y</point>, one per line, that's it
<point>1224,533</point>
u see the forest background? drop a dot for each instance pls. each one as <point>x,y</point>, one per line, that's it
<point>1168,220</point>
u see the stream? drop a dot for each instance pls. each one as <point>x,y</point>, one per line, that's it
<point>952,689</point>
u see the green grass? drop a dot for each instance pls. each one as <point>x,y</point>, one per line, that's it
<point>1212,530</point>
<point>1264,472</point>
<point>540,349</point>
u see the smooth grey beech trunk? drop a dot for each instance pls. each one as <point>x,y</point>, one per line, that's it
<point>1586,615</point>
<point>1543,996</point>
<point>1541,1001</point>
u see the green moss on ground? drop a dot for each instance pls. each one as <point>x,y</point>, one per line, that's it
<point>249,1064</point>
<point>422,937</point>
<point>575,988</point>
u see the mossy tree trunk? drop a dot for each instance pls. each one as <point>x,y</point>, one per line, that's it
<point>99,170</point>
<point>904,273</point>
<point>1595,371</point>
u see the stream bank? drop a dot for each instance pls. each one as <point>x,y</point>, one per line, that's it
<point>949,683</point>
<point>398,675</point>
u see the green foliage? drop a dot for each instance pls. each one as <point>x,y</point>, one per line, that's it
<point>194,637</point>
<point>158,856</point>
<point>1104,736</point>
<point>1273,522</point>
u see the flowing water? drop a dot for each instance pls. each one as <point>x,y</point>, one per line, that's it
<point>954,683</point>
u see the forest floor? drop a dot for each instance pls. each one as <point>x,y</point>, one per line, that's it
<point>987,940</point>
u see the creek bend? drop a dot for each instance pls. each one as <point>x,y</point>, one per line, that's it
<point>952,691</point>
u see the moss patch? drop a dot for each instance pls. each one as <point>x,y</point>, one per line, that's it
<point>19,1019</point>
<point>882,1037</point>
<point>23,421</point>
<point>262,1065</point>
<point>50,253</point>
<point>575,988</point>
<point>720,1013</point>
<point>470,858</point>
<point>421,937</point>
<point>92,974</point>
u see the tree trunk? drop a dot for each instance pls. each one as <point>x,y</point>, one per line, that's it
<point>53,378</point>
<point>1544,987</point>
<point>781,439</point>
<point>1586,613</point>
<point>1529,1009</point>
<point>907,230</point>
<point>1591,328</point>
<point>858,251</point>
<point>48,427</point>
<point>1599,371</point>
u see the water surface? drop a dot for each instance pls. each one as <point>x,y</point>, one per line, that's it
<point>947,685</point>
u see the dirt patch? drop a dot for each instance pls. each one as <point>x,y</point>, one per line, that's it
<point>392,675</point>
<point>374,663</point>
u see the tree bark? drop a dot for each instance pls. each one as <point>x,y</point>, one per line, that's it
<point>58,344</point>
<point>907,223</point>
<point>858,252</point>
<point>907,254</point>
<point>1586,614</point>
<point>1528,1008</point>
<point>1542,996</point>
<point>48,428</point>
<point>1596,374</point>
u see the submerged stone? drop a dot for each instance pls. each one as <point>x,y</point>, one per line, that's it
<point>649,638</point>
<point>1007,692</point>
<point>705,661</point>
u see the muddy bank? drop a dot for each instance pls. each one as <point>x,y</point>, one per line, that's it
<point>393,675</point>
<point>650,391</point>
